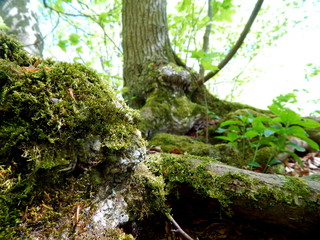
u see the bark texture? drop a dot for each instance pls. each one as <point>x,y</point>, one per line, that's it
<point>149,61</point>
<point>145,41</point>
<point>22,20</point>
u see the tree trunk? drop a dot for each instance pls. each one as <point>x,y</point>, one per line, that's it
<point>147,50</point>
<point>22,20</point>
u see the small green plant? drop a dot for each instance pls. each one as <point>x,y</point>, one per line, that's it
<point>249,133</point>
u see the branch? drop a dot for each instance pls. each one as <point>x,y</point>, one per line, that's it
<point>65,13</point>
<point>179,229</point>
<point>237,45</point>
<point>206,35</point>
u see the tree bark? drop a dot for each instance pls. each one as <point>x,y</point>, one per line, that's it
<point>22,20</point>
<point>146,45</point>
<point>149,61</point>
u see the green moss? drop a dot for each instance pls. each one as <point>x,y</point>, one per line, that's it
<point>49,113</point>
<point>12,50</point>
<point>117,234</point>
<point>146,193</point>
<point>53,117</point>
<point>297,188</point>
<point>164,112</point>
<point>186,145</point>
<point>313,177</point>
<point>227,187</point>
<point>265,154</point>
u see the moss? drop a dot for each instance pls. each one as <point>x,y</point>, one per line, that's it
<point>265,154</point>
<point>165,112</point>
<point>12,50</point>
<point>186,145</point>
<point>48,113</point>
<point>313,177</point>
<point>228,187</point>
<point>297,188</point>
<point>146,193</point>
<point>55,117</point>
<point>117,234</point>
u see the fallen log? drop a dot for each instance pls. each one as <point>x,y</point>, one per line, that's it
<point>280,200</point>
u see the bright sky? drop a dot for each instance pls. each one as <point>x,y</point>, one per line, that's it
<point>283,68</point>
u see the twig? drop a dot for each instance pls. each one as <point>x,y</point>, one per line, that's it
<point>237,45</point>
<point>179,229</point>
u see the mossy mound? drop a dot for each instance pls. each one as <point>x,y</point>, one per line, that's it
<point>52,112</point>
<point>170,143</point>
<point>165,112</point>
<point>58,120</point>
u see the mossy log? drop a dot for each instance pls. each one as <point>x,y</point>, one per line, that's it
<point>289,202</point>
<point>301,210</point>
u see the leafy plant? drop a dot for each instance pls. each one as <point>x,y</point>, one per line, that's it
<point>249,133</point>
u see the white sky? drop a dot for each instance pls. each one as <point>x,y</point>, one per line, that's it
<point>284,68</point>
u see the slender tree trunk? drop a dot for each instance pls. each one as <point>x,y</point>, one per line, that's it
<point>21,18</point>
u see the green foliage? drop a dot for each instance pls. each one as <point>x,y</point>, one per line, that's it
<point>3,26</point>
<point>92,28</point>
<point>312,70</point>
<point>250,133</point>
<point>205,59</point>
<point>223,11</point>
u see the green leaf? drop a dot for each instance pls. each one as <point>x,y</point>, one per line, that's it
<point>296,157</point>
<point>185,4</point>
<point>229,122</point>
<point>309,123</point>
<point>251,134</point>
<point>274,162</point>
<point>253,164</point>
<point>311,143</point>
<point>288,117</point>
<point>268,132</point>
<point>297,147</point>
<point>63,45</point>
<point>223,138</point>
<point>233,136</point>
<point>221,130</point>
<point>103,17</point>
<point>207,65</point>
<point>74,39</point>
<point>296,131</point>
<point>79,50</point>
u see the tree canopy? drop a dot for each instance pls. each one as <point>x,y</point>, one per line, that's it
<point>90,32</point>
